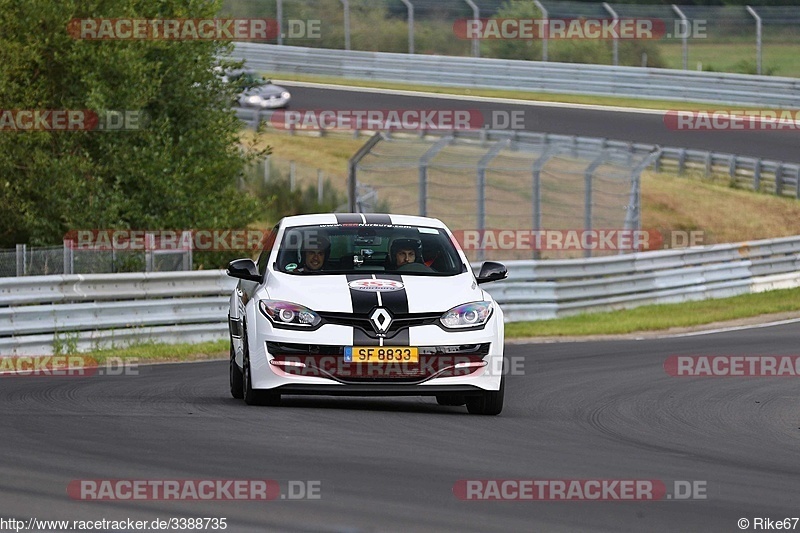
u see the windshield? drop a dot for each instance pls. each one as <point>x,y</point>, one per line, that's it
<point>368,248</point>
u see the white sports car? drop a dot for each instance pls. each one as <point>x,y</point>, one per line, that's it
<point>365,305</point>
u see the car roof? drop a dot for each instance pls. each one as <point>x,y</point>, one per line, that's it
<point>365,218</point>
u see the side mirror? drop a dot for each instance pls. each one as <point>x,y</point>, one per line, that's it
<point>491,271</point>
<point>244,269</point>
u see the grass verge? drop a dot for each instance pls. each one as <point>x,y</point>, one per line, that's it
<point>661,317</point>
<point>152,352</point>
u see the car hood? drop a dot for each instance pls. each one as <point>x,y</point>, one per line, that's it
<point>332,293</point>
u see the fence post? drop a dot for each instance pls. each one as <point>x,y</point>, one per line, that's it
<point>483,164</point>
<point>615,43</point>
<point>319,186</point>
<point>758,38</point>
<point>149,250</point>
<point>684,35</point>
<point>410,8</point>
<point>346,6</point>
<point>352,166</point>
<point>587,197</point>
<point>21,249</point>
<point>279,16</point>
<point>423,172</point>
<point>476,14</point>
<point>546,35</point>
<point>68,263</point>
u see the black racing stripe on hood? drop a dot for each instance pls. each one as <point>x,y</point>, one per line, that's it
<point>377,219</point>
<point>349,218</point>
<point>363,302</point>
<point>397,304</point>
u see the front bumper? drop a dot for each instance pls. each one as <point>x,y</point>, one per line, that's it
<point>324,372</point>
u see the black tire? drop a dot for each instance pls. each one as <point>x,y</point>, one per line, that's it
<point>237,382</point>
<point>451,400</point>
<point>489,402</point>
<point>254,396</point>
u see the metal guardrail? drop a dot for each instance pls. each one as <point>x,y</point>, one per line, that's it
<point>537,76</point>
<point>105,309</point>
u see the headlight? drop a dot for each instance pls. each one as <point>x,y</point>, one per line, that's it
<point>469,315</point>
<point>287,314</point>
<point>285,95</point>
<point>253,99</point>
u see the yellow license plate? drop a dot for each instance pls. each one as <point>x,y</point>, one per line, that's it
<point>381,354</point>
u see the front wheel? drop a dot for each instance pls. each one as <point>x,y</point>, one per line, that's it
<point>254,396</point>
<point>488,403</point>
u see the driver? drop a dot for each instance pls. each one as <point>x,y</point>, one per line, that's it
<point>315,253</point>
<point>405,252</point>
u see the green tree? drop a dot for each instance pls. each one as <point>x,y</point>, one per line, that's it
<point>178,171</point>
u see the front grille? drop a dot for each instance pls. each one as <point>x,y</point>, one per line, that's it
<point>399,322</point>
<point>328,362</point>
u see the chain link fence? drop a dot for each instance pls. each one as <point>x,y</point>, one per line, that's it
<point>482,184</point>
<point>68,259</point>
<point>754,40</point>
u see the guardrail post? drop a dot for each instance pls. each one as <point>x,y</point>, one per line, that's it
<point>684,35</point>
<point>615,42</point>
<point>681,160</point>
<point>292,175</point>
<point>476,14</point>
<point>797,183</point>
<point>732,169</point>
<point>21,259</point>
<point>779,179</point>
<point>757,175</point>
<point>546,35</point>
<point>758,38</point>
<point>708,164</point>
<point>410,8</point>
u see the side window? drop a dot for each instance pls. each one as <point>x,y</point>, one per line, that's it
<point>268,244</point>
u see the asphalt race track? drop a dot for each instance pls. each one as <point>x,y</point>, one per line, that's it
<point>592,410</point>
<point>611,124</point>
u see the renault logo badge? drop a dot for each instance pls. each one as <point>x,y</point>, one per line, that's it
<point>381,319</point>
